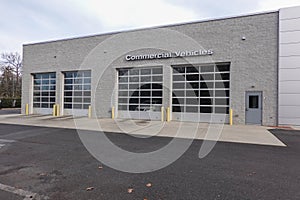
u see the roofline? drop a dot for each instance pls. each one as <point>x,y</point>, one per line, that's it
<point>153,27</point>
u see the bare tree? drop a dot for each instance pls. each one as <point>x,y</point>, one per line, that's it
<point>11,65</point>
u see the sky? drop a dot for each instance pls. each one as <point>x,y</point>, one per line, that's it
<point>30,21</point>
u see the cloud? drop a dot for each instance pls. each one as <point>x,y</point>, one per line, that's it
<point>115,14</point>
<point>220,8</point>
<point>27,21</point>
<point>10,43</point>
<point>276,4</point>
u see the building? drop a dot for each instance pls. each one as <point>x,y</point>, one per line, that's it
<point>196,71</point>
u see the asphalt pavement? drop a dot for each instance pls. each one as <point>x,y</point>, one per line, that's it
<point>52,162</point>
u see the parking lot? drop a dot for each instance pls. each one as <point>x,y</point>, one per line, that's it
<point>52,163</point>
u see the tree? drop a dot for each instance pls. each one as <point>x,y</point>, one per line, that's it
<point>11,73</point>
<point>6,83</point>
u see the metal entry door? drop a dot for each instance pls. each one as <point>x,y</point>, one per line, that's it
<point>254,108</point>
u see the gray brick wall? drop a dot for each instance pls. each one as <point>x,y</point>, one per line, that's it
<point>254,61</point>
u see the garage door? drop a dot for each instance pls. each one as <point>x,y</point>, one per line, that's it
<point>140,93</point>
<point>44,87</point>
<point>77,92</point>
<point>201,93</point>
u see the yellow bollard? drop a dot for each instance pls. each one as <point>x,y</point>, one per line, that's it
<point>231,117</point>
<point>90,112</point>
<point>168,114</point>
<point>162,114</point>
<point>27,109</point>
<point>57,110</point>
<point>113,112</point>
<point>54,110</point>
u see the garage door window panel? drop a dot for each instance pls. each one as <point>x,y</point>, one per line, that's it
<point>144,91</point>
<point>44,90</point>
<point>204,85</point>
<point>77,89</point>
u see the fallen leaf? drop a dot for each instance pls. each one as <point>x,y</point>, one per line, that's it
<point>130,190</point>
<point>149,185</point>
<point>90,188</point>
<point>100,167</point>
<point>252,174</point>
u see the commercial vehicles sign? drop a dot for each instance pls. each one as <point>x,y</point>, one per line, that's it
<point>166,55</point>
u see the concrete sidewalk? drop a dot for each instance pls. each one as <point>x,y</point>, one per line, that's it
<point>296,127</point>
<point>139,128</point>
